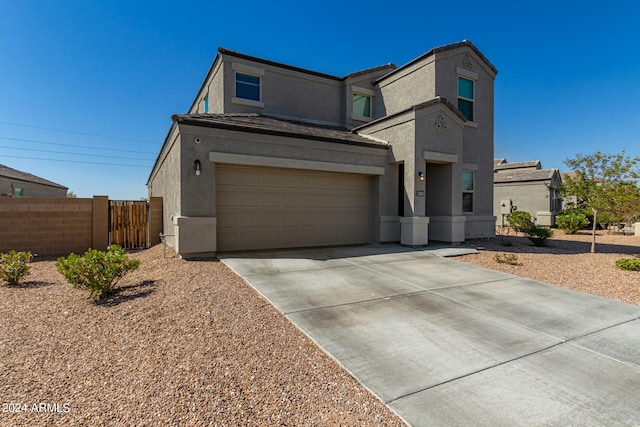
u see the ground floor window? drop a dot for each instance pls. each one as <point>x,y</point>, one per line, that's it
<point>468,179</point>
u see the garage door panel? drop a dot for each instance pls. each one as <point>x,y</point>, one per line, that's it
<point>263,208</point>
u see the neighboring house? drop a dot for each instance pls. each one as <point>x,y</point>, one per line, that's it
<point>525,186</point>
<point>15,183</point>
<point>273,156</point>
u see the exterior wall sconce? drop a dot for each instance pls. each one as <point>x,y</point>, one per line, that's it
<point>197,166</point>
<point>420,176</point>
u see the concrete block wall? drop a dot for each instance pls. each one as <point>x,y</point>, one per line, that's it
<point>59,226</point>
<point>46,226</point>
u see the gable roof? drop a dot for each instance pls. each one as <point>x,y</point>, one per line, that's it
<point>270,125</point>
<point>7,172</point>
<point>434,101</point>
<point>440,49</point>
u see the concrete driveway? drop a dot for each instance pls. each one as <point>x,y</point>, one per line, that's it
<point>443,342</point>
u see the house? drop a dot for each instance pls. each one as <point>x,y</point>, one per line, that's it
<point>15,183</point>
<point>271,155</point>
<point>525,186</point>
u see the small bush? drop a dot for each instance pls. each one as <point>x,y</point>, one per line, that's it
<point>572,222</point>
<point>14,266</point>
<point>629,264</point>
<point>511,259</point>
<point>97,271</point>
<point>538,235</point>
<point>520,220</point>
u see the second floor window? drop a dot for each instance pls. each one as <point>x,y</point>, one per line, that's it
<point>361,105</point>
<point>206,104</point>
<point>466,97</point>
<point>247,86</point>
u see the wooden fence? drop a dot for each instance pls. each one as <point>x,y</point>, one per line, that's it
<point>129,224</point>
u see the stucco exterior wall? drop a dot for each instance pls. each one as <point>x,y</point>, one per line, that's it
<point>532,197</point>
<point>407,87</point>
<point>166,183</point>
<point>30,189</point>
<point>286,93</point>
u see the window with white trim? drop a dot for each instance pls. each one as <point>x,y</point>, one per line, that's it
<point>468,178</point>
<point>247,86</point>
<point>466,97</point>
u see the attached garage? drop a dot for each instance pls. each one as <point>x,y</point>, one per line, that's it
<point>267,208</point>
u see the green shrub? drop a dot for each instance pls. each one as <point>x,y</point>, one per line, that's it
<point>538,235</point>
<point>511,259</point>
<point>14,266</point>
<point>97,271</point>
<point>520,220</point>
<point>570,223</point>
<point>629,264</point>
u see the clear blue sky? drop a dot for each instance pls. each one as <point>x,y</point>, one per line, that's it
<point>108,75</point>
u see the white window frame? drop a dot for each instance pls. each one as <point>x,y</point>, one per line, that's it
<point>251,71</point>
<point>356,90</point>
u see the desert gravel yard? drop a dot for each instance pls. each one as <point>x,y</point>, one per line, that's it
<point>566,261</point>
<point>189,343</point>
<point>182,343</point>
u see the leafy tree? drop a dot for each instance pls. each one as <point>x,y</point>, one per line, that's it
<point>71,195</point>
<point>600,182</point>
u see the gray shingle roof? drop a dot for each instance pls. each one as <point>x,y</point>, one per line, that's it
<point>524,175</point>
<point>259,123</point>
<point>7,172</point>
<point>516,165</point>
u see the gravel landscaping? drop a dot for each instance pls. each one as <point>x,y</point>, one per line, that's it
<point>182,343</point>
<point>566,261</point>
<point>189,343</point>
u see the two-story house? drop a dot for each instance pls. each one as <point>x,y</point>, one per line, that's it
<point>275,156</point>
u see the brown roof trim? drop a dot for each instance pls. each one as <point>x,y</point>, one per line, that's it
<point>388,66</point>
<point>230,52</point>
<point>444,48</point>
<point>434,101</point>
<point>271,126</point>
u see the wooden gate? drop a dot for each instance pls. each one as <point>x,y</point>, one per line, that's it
<point>129,223</point>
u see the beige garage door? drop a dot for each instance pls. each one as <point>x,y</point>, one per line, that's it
<point>268,208</point>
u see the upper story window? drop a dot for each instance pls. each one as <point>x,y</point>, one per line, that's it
<point>206,104</point>
<point>468,178</point>
<point>247,86</point>
<point>18,192</point>
<point>466,97</point>
<point>361,103</point>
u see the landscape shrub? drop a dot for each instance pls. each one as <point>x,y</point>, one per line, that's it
<point>538,235</point>
<point>14,266</point>
<point>570,223</point>
<point>511,259</point>
<point>97,271</point>
<point>629,264</point>
<point>520,220</point>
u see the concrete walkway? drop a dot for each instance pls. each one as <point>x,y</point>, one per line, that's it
<point>443,342</point>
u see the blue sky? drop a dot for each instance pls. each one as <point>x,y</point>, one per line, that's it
<point>91,85</point>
